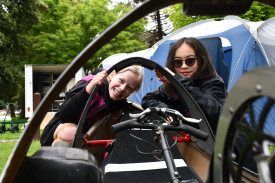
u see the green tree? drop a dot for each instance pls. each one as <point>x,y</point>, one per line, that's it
<point>259,12</point>
<point>67,26</point>
<point>179,20</point>
<point>129,40</point>
<point>55,39</point>
<point>8,82</point>
<point>16,18</point>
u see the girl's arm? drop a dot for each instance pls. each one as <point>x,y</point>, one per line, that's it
<point>158,98</point>
<point>98,79</point>
<point>74,104</point>
<point>209,94</point>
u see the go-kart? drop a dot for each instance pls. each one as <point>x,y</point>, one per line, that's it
<point>210,161</point>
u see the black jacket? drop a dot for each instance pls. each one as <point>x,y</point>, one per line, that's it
<point>209,94</point>
<point>72,108</point>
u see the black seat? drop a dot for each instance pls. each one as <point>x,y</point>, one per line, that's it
<point>59,164</point>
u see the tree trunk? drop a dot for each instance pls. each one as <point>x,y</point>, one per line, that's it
<point>12,110</point>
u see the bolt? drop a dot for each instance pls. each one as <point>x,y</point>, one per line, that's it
<point>259,88</point>
<point>234,156</point>
<point>220,156</point>
<point>231,110</point>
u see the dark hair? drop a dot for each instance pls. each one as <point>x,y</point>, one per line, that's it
<point>205,67</point>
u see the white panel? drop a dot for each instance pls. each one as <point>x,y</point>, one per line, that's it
<point>79,75</point>
<point>141,166</point>
<point>28,91</point>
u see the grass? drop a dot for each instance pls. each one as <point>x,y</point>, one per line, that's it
<point>7,147</point>
<point>11,136</point>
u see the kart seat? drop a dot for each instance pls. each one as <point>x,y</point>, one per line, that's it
<point>59,164</point>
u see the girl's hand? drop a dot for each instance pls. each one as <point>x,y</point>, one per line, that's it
<point>161,77</point>
<point>98,79</point>
<point>170,120</point>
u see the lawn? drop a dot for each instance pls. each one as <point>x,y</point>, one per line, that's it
<point>11,140</point>
<point>7,147</point>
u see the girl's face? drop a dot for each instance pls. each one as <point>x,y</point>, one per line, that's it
<point>122,85</point>
<point>182,53</point>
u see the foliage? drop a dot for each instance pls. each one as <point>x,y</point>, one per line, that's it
<point>16,17</point>
<point>9,76</point>
<point>259,12</point>
<point>60,29</point>
<point>66,27</point>
<point>2,103</point>
<point>55,38</point>
<point>178,19</point>
<point>127,41</point>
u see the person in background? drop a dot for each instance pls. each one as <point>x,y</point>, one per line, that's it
<point>111,96</point>
<point>191,63</point>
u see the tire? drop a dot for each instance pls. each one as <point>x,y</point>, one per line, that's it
<point>14,129</point>
<point>2,129</point>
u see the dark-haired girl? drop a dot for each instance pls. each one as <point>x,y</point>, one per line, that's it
<point>191,63</point>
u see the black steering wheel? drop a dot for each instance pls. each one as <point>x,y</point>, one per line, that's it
<point>194,109</point>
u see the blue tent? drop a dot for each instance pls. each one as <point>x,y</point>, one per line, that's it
<point>235,47</point>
